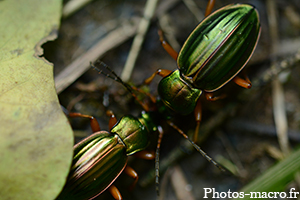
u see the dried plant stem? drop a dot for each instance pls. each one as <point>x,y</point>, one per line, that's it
<point>278,93</point>
<point>138,39</point>
<point>82,63</point>
<point>72,6</point>
<point>179,184</point>
<point>192,6</point>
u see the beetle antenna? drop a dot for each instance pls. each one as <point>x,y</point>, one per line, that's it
<point>115,77</point>
<point>207,157</point>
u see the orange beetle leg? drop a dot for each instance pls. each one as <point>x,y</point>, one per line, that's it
<point>94,123</point>
<point>115,192</point>
<point>161,72</point>
<point>209,7</point>
<point>112,119</point>
<point>245,83</point>
<point>198,118</point>
<point>167,46</point>
<point>210,96</point>
<point>147,155</point>
<point>130,172</point>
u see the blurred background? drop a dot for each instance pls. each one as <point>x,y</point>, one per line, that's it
<point>247,132</point>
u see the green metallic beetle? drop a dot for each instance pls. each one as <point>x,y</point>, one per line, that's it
<point>214,53</point>
<point>100,158</point>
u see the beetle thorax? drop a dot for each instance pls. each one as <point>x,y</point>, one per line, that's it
<point>178,94</point>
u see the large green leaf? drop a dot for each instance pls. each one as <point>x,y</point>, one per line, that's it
<point>35,137</point>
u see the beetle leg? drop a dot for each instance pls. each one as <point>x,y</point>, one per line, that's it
<point>160,72</point>
<point>130,172</point>
<point>147,155</point>
<point>112,119</point>
<point>245,83</point>
<point>160,136</point>
<point>94,123</point>
<point>209,7</point>
<point>167,46</point>
<point>210,97</point>
<point>144,105</point>
<point>198,118</point>
<point>115,192</point>
<point>152,98</point>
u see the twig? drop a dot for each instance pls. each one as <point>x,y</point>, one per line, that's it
<point>292,15</point>
<point>240,170</point>
<point>82,63</point>
<point>179,184</point>
<point>244,125</point>
<point>164,183</point>
<point>168,31</point>
<point>138,39</point>
<point>278,94</point>
<point>280,116</point>
<point>72,6</point>
<point>192,6</point>
<point>165,6</point>
<point>279,66</point>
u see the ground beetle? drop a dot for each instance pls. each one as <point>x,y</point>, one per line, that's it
<point>214,53</point>
<point>100,158</point>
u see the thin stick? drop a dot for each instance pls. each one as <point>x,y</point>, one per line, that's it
<point>72,6</point>
<point>192,6</point>
<point>82,63</point>
<point>179,183</point>
<point>277,89</point>
<point>138,40</point>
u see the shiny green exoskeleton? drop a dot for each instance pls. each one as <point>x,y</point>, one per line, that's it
<point>214,53</point>
<point>100,158</point>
